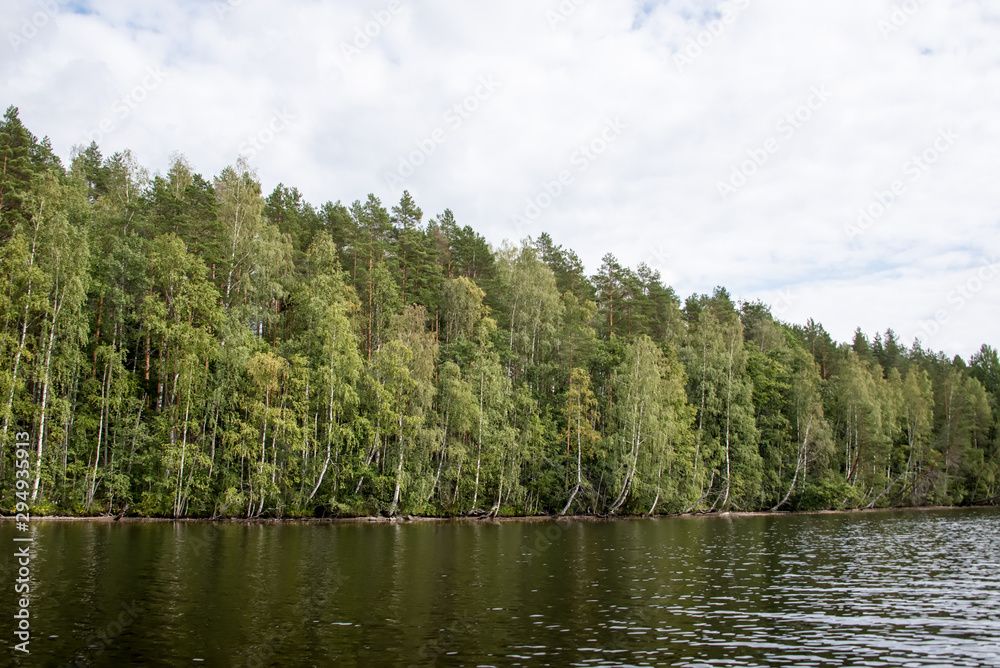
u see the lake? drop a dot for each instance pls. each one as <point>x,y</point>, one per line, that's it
<point>914,588</point>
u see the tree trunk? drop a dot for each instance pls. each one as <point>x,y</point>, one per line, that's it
<point>798,465</point>
<point>24,329</point>
<point>180,473</point>
<point>579,466</point>
<point>636,441</point>
<point>45,399</point>
<point>444,450</point>
<point>659,477</point>
<point>479,445</point>
<point>399,469</point>
<point>322,473</point>
<point>729,396</point>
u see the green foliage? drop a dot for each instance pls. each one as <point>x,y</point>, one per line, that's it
<point>181,346</point>
<point>827,494</point>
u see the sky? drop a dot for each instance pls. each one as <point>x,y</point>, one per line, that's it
<point>836,160</point>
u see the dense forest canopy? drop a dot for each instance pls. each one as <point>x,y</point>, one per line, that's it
<point>182,346</point>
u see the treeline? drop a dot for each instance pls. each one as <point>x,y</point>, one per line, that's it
<point>179,346</point>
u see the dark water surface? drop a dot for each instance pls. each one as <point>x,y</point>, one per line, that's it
<point>911,588</point>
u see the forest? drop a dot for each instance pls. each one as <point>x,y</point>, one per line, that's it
<point>181,346</point>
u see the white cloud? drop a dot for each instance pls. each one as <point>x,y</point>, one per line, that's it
<point>652,195</point>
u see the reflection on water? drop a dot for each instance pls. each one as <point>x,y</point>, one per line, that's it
<point>915,588</point>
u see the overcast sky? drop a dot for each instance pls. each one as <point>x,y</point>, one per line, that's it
<point>838,160</point>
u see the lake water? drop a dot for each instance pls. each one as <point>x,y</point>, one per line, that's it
<point>912,588</point>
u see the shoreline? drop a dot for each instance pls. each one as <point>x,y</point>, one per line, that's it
<point>464,519</point>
